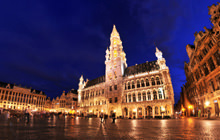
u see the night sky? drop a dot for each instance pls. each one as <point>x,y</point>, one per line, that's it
<point>47,45</point>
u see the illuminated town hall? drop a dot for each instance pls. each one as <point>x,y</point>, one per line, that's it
<point>140,91</point>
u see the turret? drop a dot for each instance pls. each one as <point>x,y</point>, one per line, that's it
<point>160,60</point>
<point>115,57</point>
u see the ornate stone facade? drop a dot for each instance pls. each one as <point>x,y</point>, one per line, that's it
<point>66,103</point>
<point>18,98</point>
<point>137,91</point>
<point>202,89</point>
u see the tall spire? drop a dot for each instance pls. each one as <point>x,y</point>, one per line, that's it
<point>114,32</point>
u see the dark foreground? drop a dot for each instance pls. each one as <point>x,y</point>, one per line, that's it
<point>80,128</point>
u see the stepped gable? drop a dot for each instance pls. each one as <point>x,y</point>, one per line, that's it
<point>95,81</point>
<point>141,68</point>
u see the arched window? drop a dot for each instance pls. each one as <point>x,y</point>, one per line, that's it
<point>129,86</point>
<point>129,97</point>
<point>144,96</point>
<point>156,110</point>
<point>152,81</point>
<point>148,95</point>
<point>147,82</point>
<point>160,94</point>
<point>155,95</point>
<point>138,84</point>
<point>134,97</point>
<point>125,86</point>
<point>139,96</point>
<point>158,80</point>
<point>133,86</point>
<point>126,98</point>
<point>142,83</point>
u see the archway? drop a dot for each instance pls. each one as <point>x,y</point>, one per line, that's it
<point>125,112</point>
<point>148,112</point>
<point>139,111</point>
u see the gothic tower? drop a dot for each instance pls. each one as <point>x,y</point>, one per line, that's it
<point>115,58</point>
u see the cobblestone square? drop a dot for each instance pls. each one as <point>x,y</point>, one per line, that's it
<point>81,128</point>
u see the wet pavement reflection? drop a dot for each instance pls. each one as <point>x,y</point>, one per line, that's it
<point>92,128</point>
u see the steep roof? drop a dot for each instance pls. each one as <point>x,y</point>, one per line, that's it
<point>95,81</point>
<point>140,68</point>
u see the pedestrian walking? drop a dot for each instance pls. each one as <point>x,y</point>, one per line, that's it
<point>101,116</point>
<point>105,117</point>
<point>28,113</point>
<point>113,118</point>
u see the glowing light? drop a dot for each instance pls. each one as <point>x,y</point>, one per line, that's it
<point>114,110</point>
<point>134,110</point>
<point>90,111</point>
<point>183,109</point>
<point>207,103</point>
<point>101,110</point>
<point>162,109</point>
<point>190,106</point>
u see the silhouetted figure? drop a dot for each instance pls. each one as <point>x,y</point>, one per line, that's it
<point>113,118</point>
<point>101,116</point>
<point>28,113</point>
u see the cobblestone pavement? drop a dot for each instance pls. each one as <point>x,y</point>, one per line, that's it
<point>80,128</point>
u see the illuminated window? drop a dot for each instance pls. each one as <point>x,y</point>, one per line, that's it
<point>115,53</point>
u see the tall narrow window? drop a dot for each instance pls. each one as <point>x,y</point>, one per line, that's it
<point>116,99</point>
<point>211,64</point>
<point>129,98</point>
<point>147,82</point>
<point>144,96</point>
<point>125,86</point>
<point>134,97</point>
<point>129,85</point>
<point>155,95</point>
<point>158,80</point>
<point>212,86</point>
<point>139,96</point>
<point>115,87</point>
<point>142,83</point>
<point>160,94</point>
<point>210,44</point>
<point>204,51</point>
<point>138,83</point>
<point>152,81</point>
<point>206,71</point>
<point>133,86</point>
<point>110,89</point>
<point>148,95</point>
<point>126,100</point>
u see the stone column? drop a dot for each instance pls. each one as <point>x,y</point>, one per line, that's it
<point>153,111</point>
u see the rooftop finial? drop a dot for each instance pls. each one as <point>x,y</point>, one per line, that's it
<point>114,32</point>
